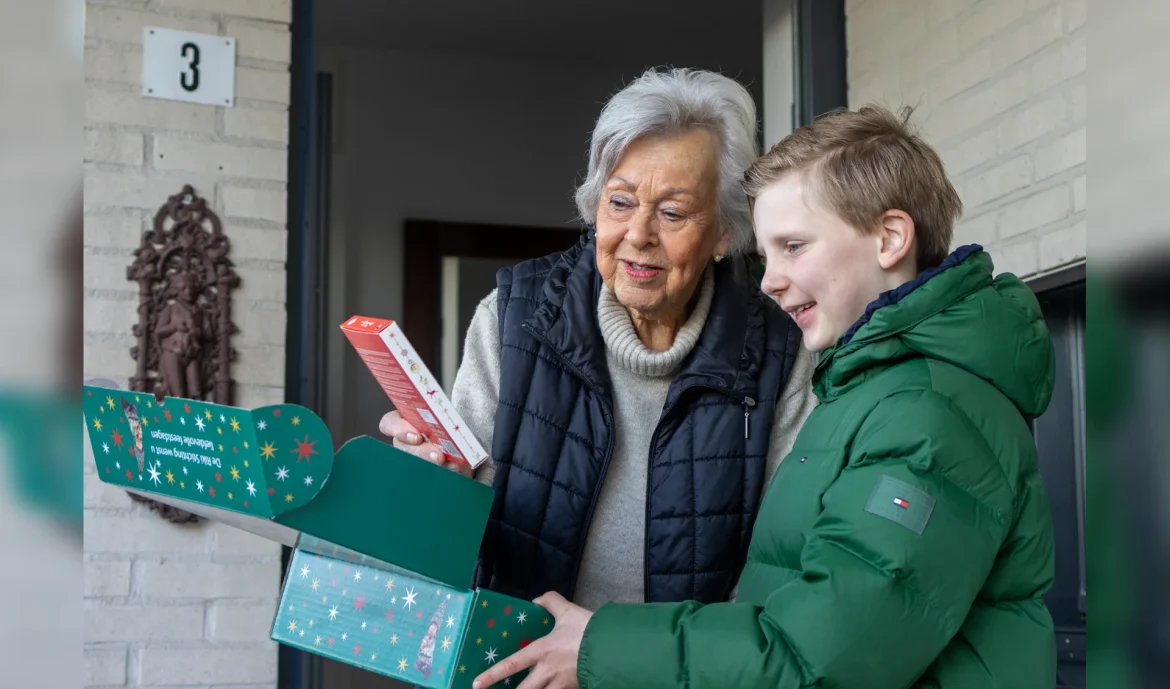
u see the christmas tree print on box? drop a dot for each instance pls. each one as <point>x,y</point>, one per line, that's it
<point>259,462</point>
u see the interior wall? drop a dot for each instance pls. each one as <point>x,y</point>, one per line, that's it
<point>444,137</point>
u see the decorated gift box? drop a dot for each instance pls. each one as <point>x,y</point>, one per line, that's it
<point>385,543</point>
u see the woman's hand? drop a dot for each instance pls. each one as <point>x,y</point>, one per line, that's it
<point>553,658</point>
<point>407,438</point>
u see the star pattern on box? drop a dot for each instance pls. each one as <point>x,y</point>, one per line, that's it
<point>223,454</point>
<point>366,618</point>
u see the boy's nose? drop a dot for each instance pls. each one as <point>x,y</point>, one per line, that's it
<point>774,282</point>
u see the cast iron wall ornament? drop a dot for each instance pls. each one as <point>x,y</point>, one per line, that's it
<point>184,324</point>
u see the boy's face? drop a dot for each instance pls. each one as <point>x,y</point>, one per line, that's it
<point>820,269</point>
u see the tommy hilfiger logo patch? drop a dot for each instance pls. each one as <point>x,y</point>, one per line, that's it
<point>901,503</point>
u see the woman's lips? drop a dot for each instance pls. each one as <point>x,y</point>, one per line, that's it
<point>641,271</point>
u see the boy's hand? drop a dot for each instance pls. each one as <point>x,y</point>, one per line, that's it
<point>407,438</point>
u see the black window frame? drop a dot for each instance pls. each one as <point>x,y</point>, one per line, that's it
<point>1059,434</point>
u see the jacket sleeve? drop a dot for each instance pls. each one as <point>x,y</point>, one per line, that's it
<point>874,602</point>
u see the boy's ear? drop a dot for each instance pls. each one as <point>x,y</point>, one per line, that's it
<point>896,229</point>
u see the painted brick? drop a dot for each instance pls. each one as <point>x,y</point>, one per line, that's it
<point>1063,246</point>
<point>1077,97</point>
<point>107,578</point>
<point>1058,65</point>
<point>970,152</point>
<point>246,623</point>
<point>1032,123</point>
<point>206,580</point>
<point>1027,38</point>
<point>108,360</point>
<point>988,18</point>
<point>141,534</point>
<point>261,84</point>
<point>1063,154</point>
<point>940,11</point>
<point>114,62</point>
<point>129,108</point>
<point>940,47</point>
<point>105,666</point>
<point>1074,14</point>
<point>135,190</point>
<point>1079,194</point>
<point>977,230</point>
<point>1037,210</point>
<point>263,366</point>
<point>98,493</point>
<point>210,666</point>
<point>998,181</point>
<point>266,326</point>
<point>972,110</point>
<point>189,155</point>
<point>232,541</point>
<point>1019,259</point>
<point>1001,94</point>
<point>271,10</point>
<point>252,396</point>
<point>107,272</point>
<point>264,204</point>
<point>972,68</point>
<point>125,25</point>
<point>109,316</point>
<point>251,242</point>
<point>266,42</point>
<point>143,623</point>
<point>111,146</point>
<point>262,285</point>
<point>124,231</point>
<point>269,125</point>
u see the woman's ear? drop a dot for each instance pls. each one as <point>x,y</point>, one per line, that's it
<point>896,231</point>
<point>721,249</point>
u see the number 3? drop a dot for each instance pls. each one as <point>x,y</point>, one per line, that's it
<point>194,72</point>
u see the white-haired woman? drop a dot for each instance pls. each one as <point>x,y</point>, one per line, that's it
<point>637,391</point>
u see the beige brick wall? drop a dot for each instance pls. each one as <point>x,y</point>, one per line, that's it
<point>168,605</point>
<point>999,89</point>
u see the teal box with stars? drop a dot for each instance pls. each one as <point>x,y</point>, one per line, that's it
<point>384,543</point>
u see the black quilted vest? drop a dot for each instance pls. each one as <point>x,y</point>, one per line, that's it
<point>554,433</point>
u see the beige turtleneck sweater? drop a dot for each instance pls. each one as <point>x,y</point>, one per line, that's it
<point>612,565</point>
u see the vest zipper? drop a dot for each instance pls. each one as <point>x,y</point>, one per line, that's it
<point>607,416</point>
<point>746,401</point>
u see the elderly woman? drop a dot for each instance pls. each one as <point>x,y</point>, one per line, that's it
<point>638,390</point>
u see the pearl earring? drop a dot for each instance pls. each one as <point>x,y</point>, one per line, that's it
<point>718,257</point>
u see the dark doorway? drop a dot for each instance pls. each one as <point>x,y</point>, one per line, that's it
<point>483,247</point>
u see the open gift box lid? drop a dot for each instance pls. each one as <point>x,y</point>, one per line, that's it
<point>272,471</point>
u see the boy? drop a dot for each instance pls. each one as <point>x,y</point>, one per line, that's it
<point>906,540</point>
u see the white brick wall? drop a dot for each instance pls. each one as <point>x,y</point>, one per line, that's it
<point>998,87</point>
<point>167,605</point>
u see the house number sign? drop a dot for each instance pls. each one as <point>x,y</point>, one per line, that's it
<point>187,66</point>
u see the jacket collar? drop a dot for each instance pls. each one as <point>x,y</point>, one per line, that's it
<point>724,357</point>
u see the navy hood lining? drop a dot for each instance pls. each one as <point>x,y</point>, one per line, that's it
<point>902,291</point>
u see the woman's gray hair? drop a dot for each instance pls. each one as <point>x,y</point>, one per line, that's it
<point>677,100</point>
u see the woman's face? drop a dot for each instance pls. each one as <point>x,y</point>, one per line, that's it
<point>657,223</point>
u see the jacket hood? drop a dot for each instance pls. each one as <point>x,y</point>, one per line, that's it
<point>956,313</point>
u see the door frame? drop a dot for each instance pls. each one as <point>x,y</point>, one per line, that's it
<point>426,242</point>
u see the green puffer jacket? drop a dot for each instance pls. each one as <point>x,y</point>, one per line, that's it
<point>906,541</point>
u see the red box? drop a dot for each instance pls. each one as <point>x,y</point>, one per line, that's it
<point>408,383</point>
